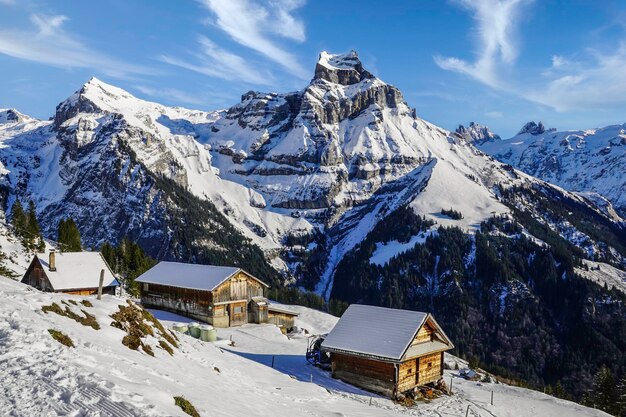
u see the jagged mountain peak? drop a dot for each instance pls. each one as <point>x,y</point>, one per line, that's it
<point>344,69</point>
<point>98,89</point>
<point>477,133</point>
<point>535,129</point>
<point>95,96</point>
<point>12,116</point>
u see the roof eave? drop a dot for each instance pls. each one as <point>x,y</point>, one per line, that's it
<point>363,355</point>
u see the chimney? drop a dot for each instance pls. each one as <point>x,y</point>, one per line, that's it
<point>52,265</point>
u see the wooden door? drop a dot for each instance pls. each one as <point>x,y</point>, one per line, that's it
<point>238,314</point>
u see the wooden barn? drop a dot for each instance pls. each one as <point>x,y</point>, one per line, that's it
<point>220,295</point>
<point>70,272</point>
<point>385,350</point>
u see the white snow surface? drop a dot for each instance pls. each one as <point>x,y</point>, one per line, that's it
<point>603,273</point>
<point>386,251</point>
<point>101,377</point>
<point>168,136</point>
<point>338,61</point>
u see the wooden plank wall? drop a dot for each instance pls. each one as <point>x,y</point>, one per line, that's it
<point>430,368</point>
<point>407,377</point>
<point>365,373</point>
<point>238,313</point>
<point>281,319</point>
<point>239,287</point>
<point>427,367</point>
<point>425,334</point>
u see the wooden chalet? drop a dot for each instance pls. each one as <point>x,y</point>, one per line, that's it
<point>220,295</point>
<point>386,350</point>
<point>70,272</point>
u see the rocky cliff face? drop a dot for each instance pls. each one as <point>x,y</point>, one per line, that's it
<point>122,167</point>
<point>339,139</point>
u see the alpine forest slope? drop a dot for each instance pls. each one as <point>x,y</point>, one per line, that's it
<point>589,161</point>
<point>339,188</point>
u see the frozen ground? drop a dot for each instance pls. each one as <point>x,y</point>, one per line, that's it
<point>101,377</point>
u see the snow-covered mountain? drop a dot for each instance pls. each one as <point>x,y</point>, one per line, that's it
<point>589,161</point>
<point>336,157</point>
<point>103,160</point>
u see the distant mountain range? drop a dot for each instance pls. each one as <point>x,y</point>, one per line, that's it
<point>590,161</point>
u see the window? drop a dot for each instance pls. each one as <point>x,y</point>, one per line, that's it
<point>237,310</point>
<point>145,286</point>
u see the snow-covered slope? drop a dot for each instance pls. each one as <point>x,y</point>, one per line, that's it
<point>592,161</point>
<point>100,376</point>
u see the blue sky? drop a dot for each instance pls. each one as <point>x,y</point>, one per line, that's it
<point>497,62</point>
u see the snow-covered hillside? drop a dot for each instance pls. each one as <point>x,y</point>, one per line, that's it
<point>100,376</point>
<point>592,161</point>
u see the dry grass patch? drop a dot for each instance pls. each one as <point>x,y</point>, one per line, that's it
<point>61,338</point>
<point>166,347</point>
<point>186,406</point>
<point>88,319</point>
<point>86,303</point>
<point>139,324</point>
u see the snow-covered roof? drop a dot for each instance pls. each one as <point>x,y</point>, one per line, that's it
<point>280,309</point>
<point>192,276</point>
<point>375,331</point>
<point>76,270</point>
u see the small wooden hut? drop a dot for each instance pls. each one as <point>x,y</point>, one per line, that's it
<point>386,350</point>
<point>70,272</point>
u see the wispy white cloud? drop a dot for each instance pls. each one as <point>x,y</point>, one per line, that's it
<point>257,26</point>
<point>595,80</point>
<point>218,62</point>
<point>48,43</point>
<point>496,22</point>
<point>592,79</point>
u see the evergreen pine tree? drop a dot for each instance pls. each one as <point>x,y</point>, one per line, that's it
<point>604,393</point>
<point>18,218</point>
<point>32,238</point>
<point>69,236</point>
<point>559,391</point>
